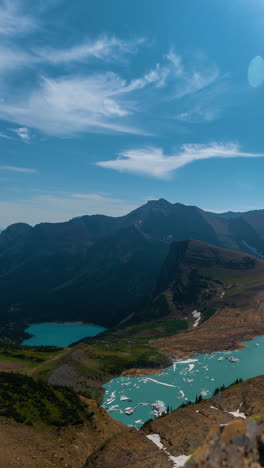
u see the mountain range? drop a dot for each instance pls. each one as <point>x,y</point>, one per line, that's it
<point>106,267</point>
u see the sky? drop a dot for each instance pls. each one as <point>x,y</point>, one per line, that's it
<point>107,104</point>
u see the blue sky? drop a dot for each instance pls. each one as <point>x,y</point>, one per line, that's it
<point>106,104</point>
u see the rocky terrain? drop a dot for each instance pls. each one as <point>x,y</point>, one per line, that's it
<point>180,433</point>
<point>240,444</point>
<point>30,447</point>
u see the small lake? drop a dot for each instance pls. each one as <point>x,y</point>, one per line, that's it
<point>182,381</point>
<point>59,334</point>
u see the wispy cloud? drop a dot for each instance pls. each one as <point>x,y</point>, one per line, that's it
<point>90,196</point>
<point>95,102</point>
<point>7,137</point>
<point>176,61</point>
<point>154,162</point>
<point>12,58</point>
<point>13,20</point>
<point>74,104</point>
<point>198,114</point>
<point>190,80</point>
<point>90,101</point>
<point>23,133</point>
<point>22,170</point>
<point>106,48</point>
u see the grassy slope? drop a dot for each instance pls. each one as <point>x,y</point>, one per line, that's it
<point>36,403</point>
<point>25,358</point>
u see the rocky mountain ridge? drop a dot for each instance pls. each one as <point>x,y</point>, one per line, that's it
<point>41,265</point>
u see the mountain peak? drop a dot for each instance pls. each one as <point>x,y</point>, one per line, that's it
<point>160,201</point>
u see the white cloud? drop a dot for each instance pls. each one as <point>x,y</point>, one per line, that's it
<point>154,163</point>
<point>198,115</point>
<point>22,170</point>
<point>90,196</point>
<point>13,20</point>
<point>23,133</point>
<point>196,82</point>
<point>65,105</point>
<point>94,102</point>
<point>7,137</point>
<point>73,104</point>
<point>156,76</point>
<point>105,48</point>
<point>200,83</point>
<point>12,58</point>
<point>176,60</point>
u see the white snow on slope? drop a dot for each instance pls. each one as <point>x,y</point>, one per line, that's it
<point>197,316</point>
<point>237,414</point>
<point>178,462</point>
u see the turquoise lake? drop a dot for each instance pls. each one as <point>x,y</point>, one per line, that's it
<point>183,381</point>
<point>59,334</point>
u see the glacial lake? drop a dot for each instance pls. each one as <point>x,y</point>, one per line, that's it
<point>59,334</point>
<point>183,381</point>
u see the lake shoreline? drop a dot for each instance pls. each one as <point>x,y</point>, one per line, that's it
<point>182,382</point>
<point>183,354</point>
<point>60,334</point>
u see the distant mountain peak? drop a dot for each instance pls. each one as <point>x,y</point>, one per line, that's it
<point>160,201</point>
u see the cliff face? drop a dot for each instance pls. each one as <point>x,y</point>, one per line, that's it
<point>240,444</point>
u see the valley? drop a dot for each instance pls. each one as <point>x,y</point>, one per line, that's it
<point>179,316</point>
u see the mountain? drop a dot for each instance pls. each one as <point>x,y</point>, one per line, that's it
<point>104,266</point>
<point>196,274</point>
<point>120,272</point>
<point>214,289</point>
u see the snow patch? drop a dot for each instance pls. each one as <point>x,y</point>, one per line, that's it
<point>178,462</point>
<point>197,316</point>
<point>155,438</point>
<point>237,414</point>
